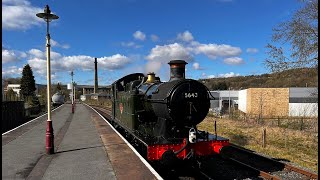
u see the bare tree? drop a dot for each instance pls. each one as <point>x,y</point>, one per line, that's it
<point>301,33</point>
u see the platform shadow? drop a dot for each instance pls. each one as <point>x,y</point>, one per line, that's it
<point>78,149</point>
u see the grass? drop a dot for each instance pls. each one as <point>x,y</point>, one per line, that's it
<point>106,103</point>
<point>298,147</point>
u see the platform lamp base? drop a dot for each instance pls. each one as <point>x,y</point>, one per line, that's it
<point>49,138</point>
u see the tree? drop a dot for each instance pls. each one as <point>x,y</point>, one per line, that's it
<point>59,87</point>
<point>12,80</point>
<point>219,86</point>
<point>28,85</point>
<point>301,34</point>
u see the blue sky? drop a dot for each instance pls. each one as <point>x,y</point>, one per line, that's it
<point>218,38</point>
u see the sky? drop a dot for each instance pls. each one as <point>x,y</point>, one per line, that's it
<point>218,38</point>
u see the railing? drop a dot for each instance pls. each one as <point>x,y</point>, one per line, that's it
<point>13,114</point>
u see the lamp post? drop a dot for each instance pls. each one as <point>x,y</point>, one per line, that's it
<point>72,99</point>
<point>74,93</point>
<point>48,17</point>
<point>229,102</point>
<point>74,96</point>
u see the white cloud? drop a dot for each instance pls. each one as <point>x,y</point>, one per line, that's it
<point>169,52</point>
<point>161,55</point>
<point>187,49</point>
<point>11,71</point>
<point>19,15</point>
<point>76,62</point>
<point>153,66</point>
<point>252,50</point>
<point>185,36</point>
<point>233,61</point>
<point>11,55</point>
<point>40,65</point>
<point>130,44</point>
<point>196,66</point>
<point>214,50</point>
<point>37,53</point>
<point>230,74</point>
<point>211,76</point>
<point>8,56</point>
<point>154,38</point>
<point>61,63</point>
<point>38,61</point>
<point>16,2</point>
<point>226,75</point>
<point>116,61</point>
<point>139,35</point>
<point>56,44</point>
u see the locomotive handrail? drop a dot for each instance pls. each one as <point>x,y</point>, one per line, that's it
<point>180,150</point>
<point>210,94</point>
<point>158,100</point>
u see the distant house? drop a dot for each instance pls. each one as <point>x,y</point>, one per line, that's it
<point>90,89</point>
<point>88,92</point>
<point>3,84</point>
<point>15,88</point>
<point>97,96</point>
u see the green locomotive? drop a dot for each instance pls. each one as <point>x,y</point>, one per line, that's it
<point>164,115</point>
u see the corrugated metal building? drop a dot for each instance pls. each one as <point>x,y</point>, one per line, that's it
<point>273,102</point>
<point>223,99</point>
<point>303,102</point>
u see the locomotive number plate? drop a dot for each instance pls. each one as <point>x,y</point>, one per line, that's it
<point>190,95</point>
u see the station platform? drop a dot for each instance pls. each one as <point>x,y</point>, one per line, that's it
<point>86,147</point>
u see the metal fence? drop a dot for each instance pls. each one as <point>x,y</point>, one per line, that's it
<point>6,97</point>
<point>13,114</point>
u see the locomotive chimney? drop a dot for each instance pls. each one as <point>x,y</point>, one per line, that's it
<point>151,77</point>
<point>177,69</point>
<point>95,89</point>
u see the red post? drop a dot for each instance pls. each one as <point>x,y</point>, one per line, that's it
<point>49,138</point>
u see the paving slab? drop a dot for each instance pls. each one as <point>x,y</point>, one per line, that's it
<point>79,151</point>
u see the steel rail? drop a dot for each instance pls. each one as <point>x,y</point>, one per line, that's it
<point>261,173</point>
<point>285,165</point>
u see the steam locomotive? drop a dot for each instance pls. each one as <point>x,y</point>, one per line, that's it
<point>163,116</point>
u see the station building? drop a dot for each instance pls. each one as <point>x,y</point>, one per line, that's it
<point>88,92</point>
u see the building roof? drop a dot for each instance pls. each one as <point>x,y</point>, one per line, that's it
<point>91,87</point>
<point>303,92</point>
<point>225,93</point>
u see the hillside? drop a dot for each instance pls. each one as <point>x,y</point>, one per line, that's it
<point>302,77</point>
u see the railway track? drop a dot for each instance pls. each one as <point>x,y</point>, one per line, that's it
<point>245,163</point>
<point>268,168</point>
